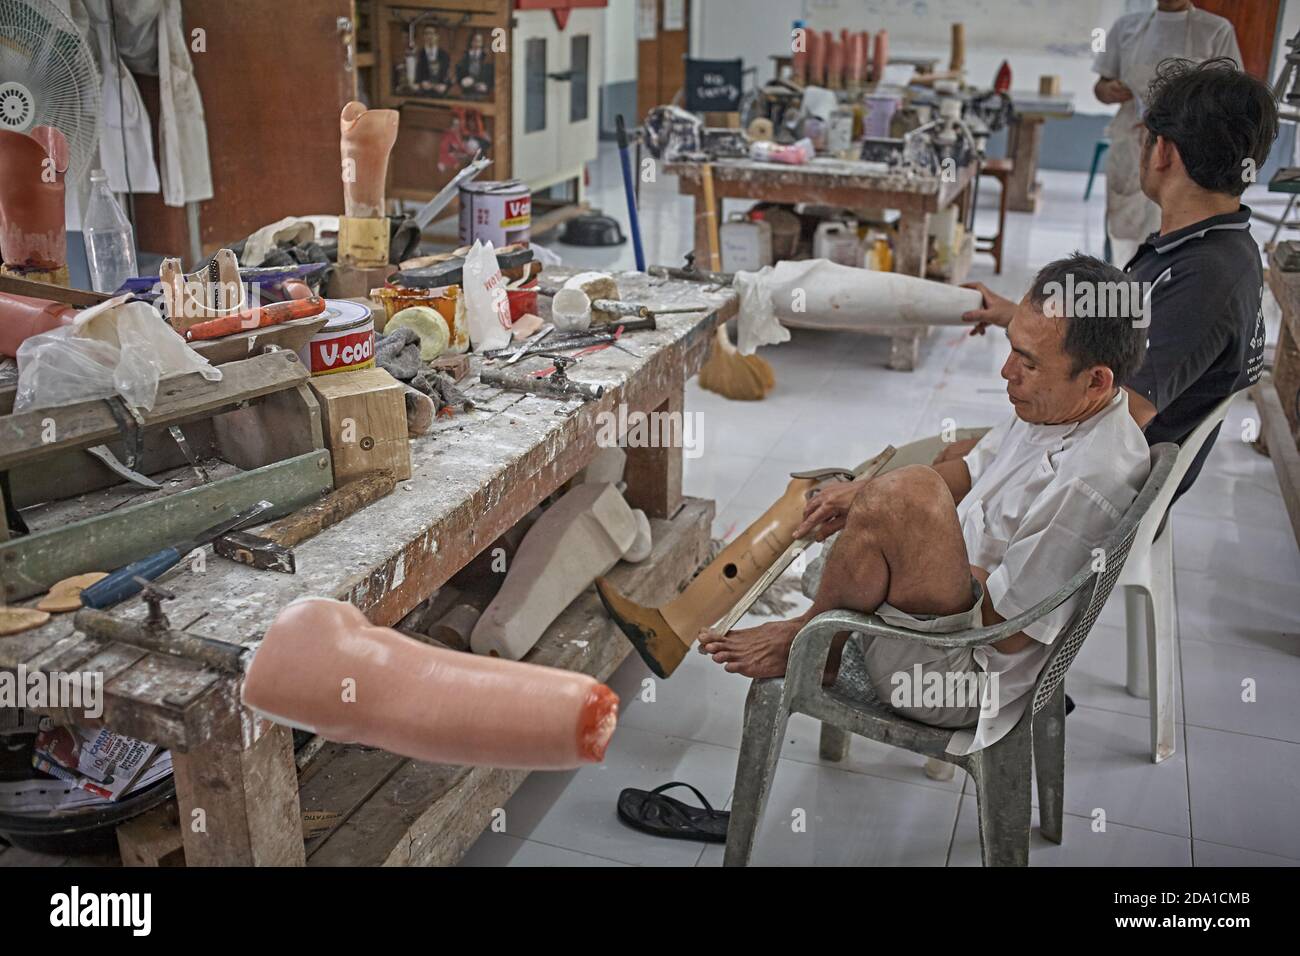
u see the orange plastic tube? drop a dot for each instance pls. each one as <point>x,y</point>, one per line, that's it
<point>256,318</point>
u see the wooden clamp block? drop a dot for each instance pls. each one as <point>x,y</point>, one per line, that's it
<point>364,418</point>
<point>363,242</point>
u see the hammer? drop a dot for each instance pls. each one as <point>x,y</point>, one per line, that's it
<point>272,548</point>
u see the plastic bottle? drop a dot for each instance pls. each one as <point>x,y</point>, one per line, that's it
<point>110,240</point>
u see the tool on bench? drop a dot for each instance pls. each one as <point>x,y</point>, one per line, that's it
<point>257,317</point>
<point>124,582</point>
<point>178,436</point>
<point>635,309</point>
<point>155,633</point>
<point>271,548</point>
<point>692,275</point>
<point>532,340</point>
<point>105,455</point>
<point>556,385</point>
<point>558,341</point>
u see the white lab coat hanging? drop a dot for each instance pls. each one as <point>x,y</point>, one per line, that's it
<point>1142,41</point>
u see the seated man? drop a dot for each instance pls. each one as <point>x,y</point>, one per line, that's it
<point>980,539</point>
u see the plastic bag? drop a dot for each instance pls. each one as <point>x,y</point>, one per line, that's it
<point>757,324</point>
<point>118,347</point>
<point>486,301</point>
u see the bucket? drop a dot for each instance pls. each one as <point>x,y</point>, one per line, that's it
<point>500,212</point>
<point>345,343</point>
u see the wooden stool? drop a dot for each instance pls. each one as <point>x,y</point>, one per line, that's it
<point>999,169</point>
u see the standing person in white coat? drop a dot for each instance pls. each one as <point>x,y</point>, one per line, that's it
<point>1135,45</point>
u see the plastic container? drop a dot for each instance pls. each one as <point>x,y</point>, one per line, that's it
<point>746,244</point>
<point>109,238</point>
<point>571,310</point>
<point>838,242</point>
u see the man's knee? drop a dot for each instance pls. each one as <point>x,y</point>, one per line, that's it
<point>912,493</point>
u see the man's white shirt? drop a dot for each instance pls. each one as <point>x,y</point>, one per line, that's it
<point>1043,499</point>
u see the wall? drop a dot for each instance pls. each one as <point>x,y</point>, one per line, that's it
<point>618,89</point>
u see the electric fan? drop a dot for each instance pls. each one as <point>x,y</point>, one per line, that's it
<point>48,78</point>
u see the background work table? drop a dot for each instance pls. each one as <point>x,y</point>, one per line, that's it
<point>473,477</point>
<point>852,184</point>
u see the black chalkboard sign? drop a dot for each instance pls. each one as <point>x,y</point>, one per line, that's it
<point>713,86</point>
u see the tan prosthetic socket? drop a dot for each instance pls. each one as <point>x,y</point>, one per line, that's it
<point>368,137</point>
<point>324,667</point>
<point>21,317</point>
<point>33,237</point>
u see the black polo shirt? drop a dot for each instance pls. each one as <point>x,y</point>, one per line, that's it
<point>1206,334</point>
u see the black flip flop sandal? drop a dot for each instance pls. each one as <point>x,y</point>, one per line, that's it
<point>652,812</point>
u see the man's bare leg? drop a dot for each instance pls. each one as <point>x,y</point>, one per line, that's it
<point>901,543</point>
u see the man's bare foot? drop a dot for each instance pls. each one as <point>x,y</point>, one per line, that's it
<point>753,651</point>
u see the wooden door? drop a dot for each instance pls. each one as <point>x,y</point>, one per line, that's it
<point>1256,26</point>
<point>661,60</point>
<point>274,79</point>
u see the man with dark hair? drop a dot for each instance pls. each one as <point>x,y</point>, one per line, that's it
<point>977,540</point>
<point>1208,128</point>
<point>1127,62</point>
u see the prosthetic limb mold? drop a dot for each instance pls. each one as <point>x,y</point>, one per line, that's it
<point>323,667</point>
<point>21,317</point>
<point>578,538</point>
<point>33,240</point>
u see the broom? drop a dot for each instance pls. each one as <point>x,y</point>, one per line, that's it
<point>745,378</point>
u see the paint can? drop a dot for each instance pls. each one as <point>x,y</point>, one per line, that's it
<point>500,212</point>
<point>345,343</point>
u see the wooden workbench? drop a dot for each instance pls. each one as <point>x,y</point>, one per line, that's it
<point>1025,139</point>
<point>852,184</point>
<point>474,477</point>
<point>1277,395</point>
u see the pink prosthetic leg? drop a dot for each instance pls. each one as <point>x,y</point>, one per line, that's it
<point>323,667</point>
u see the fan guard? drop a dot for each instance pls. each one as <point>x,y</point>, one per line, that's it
<point>48,78</point>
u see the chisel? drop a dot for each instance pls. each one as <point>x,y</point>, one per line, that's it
<point>125,582</point>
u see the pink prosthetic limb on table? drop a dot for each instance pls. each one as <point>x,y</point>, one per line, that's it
<point>324,667</point>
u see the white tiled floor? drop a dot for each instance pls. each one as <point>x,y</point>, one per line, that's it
<point>1228,798</point>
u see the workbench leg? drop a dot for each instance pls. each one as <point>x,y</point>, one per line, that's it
<point>654,475</point>
<point>905,351</point>
<point>1022,189</point>
<point>913,244</point>
<point>702,229</point>
<point>248,800</point>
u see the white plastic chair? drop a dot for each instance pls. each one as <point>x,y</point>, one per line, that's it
<point>1150,598</point>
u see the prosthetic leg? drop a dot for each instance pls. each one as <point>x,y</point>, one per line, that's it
<point>663,635</point>
<point>367,137</point>
<point>324,667</point>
